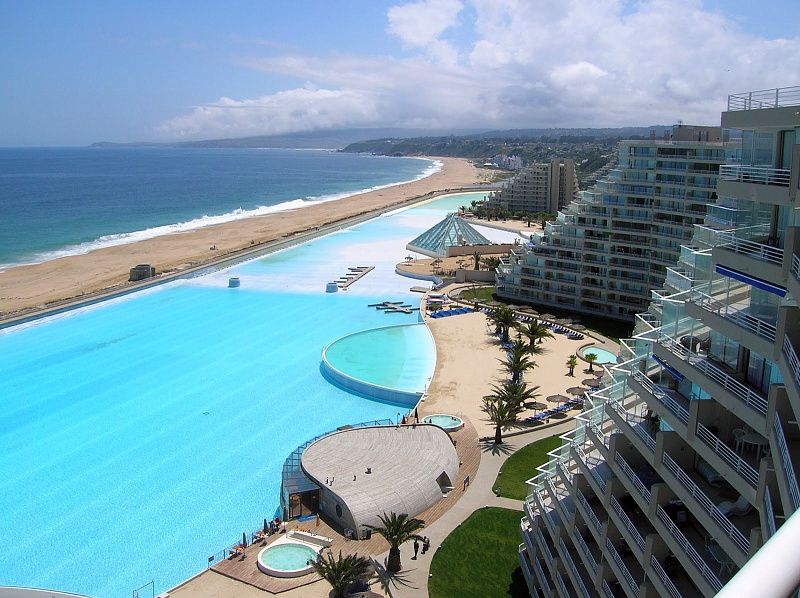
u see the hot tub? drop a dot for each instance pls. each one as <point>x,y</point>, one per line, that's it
<point>287,559</point>
<point>449,423</point>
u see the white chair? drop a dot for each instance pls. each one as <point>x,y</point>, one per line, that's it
<point>738,433</point>
<point>730,508</point>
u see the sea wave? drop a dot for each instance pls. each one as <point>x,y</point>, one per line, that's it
<point>117,239</point>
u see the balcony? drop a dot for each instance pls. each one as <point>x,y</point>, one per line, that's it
<point>545,550</point>
<point>686,551</point>
<point>665,580</point>
<point>755,174</point>
<point>785,461</point>
<point>594,467</point>
<point>577,580</point>
<point>751,249</point>
<point>544,584</point>
<point>589,514</point>
<point>673,402</point>
<point>640,489</point>
<point>639,425</point>
<point>739,316</point>
<point>628,525</point>
<point>586,554</point>
<point>704,503</point>
<point>746,471</point>
<point>624,573</point>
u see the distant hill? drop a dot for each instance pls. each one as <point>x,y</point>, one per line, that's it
<point>332,139</point>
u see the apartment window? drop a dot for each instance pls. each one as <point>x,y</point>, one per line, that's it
<point>724,349</point>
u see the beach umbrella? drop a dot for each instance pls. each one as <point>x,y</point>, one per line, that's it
<point>557,398</point>
<point>535,405</point>
<point>266,527</point>
<point>577,327</point>
<point>493,303</point>
<point>547,316</point>
<point>591,381</point>
<point>564,321</point>
<point>244,539</point>
<point>577,390</point>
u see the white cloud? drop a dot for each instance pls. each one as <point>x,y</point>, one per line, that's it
<point>549,63</point>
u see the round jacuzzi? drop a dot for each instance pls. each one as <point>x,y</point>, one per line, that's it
<point>449,423</point>
<point>603,356</point>
<point>287,559</point>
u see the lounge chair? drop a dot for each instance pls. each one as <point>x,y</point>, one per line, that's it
<point>730,508</point>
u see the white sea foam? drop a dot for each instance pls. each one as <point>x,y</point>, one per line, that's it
<point>114,240</point>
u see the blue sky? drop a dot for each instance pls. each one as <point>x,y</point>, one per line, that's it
<point>77,72</point>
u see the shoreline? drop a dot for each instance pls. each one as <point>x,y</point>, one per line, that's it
<point>41,287</point>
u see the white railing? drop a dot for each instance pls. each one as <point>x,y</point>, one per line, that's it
<point>757,251</point>
<point>563,502</point>
<point>636,422</point>
<point>729,383</point>
<point>693,555</point>
<point>592,470</point>
<point>780,97</point>
<point>709,507</point>
<point>761,175</point>
<point>568,475</point>
<point>562,586</point>
<point>605,439</point>
<point>769,514</point>
<point>796,266</point>
<point>540,576</point>
<point>590,512</point>
<point>546,512</point>
<point>637,537</point>
<point>586,552</point>
<point>727,454</point>
<point>548,556</point>
<point>662,397</point>
<point>740,317</point>
<point>524,561</point>
<point>791,358</point>
<point>622,567</point>
<point>574,570</point>
<point>678,280</point>
<point>783,449</point>
<point>631,475</point>
<point>664,578</point>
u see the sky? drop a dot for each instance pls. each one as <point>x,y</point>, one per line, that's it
<point>78,72</point>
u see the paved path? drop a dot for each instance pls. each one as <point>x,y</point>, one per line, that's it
<point>412,581</point>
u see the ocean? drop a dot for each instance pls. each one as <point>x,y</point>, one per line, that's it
<point>67,201</point>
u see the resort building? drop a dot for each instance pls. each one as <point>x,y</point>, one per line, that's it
<point>683,467</point>
<point>607,250</point>
<point>544,187</point>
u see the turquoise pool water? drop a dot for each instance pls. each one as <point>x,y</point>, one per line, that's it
<point>603,356</point>
<point>288,557</point>
<point>447,422</point>
<point>143,435</point>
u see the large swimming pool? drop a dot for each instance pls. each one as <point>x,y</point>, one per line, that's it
<point>141,436</point>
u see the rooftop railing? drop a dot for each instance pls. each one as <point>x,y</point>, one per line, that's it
<point>760,175</point>
<point>781,97</point>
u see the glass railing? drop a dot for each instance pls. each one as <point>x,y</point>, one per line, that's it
<point>751,249</point>
<point>636,423</point>
<point>690,551</point>
<point>727,454</point>
<point>622,567</point>
<point>740,317</point>
<point>699,362</point>
<point>709,507</point>
<point>786,459</point>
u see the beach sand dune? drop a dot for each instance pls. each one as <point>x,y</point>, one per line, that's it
<point>35,286</point>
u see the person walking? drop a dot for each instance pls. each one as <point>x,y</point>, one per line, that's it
<point>416,549</point>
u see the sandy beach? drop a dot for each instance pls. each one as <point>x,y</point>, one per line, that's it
<point>35,286</point>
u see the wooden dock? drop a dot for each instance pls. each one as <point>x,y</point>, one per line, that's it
<point>353,275</point>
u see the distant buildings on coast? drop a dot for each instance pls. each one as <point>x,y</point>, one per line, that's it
<point>541,187</point>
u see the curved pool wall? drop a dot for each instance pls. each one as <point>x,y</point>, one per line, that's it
<point>287,569</point>
<point>369,374</point>
<point>604,356</point>
<point>449,423</point>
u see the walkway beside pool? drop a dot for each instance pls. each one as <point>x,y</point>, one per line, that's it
<point>468,355</point>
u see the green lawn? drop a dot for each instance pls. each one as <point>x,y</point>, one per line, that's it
<point>521,466</point>
<point>479,559</point>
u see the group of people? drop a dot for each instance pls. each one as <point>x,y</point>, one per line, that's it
<point>426,544</point>
<point>273,527</point>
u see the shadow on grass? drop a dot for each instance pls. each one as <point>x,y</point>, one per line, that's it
<point>518,588</point>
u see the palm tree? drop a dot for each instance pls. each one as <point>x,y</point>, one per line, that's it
<point>463,209</point>
<point>535,331</point>
<point>517,362</point>
<point>504,406</point>
<point>572,361</point>
<point>342,572</point>
<point>503,318</point>
<point>398,529</point>
<point>477,257</point>
<point>590,358</point>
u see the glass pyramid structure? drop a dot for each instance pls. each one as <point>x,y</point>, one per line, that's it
<point>453,230</point>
